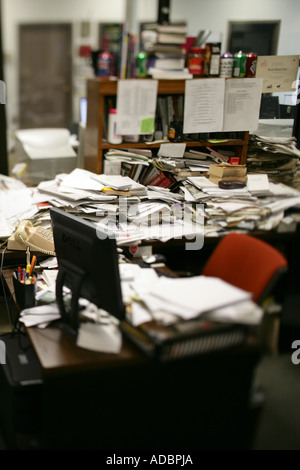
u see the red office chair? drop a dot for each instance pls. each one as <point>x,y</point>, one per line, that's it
<point>248,263</point>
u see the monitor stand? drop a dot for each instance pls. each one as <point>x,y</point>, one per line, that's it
<point>74,276</point>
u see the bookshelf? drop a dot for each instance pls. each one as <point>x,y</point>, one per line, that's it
<point>99,91</point>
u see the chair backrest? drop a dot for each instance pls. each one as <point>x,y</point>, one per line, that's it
<point>246,262</point>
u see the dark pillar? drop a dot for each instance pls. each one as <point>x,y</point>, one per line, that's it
<point>3,137</point>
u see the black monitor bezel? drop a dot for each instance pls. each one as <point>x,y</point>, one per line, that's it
<point>88,265</point>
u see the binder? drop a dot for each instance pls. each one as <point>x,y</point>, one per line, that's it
<point>184,338</point>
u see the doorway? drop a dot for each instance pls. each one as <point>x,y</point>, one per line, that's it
<point>254,36</point>
<point>45,75</point>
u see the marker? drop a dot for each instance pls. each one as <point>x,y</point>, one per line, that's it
<point>26,276</point>
<point>33,261</point>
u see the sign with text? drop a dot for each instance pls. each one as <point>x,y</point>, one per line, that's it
<point>279,73</point>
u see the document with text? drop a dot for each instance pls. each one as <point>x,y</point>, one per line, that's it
<point>203,107</point>
<point>136,106</point>
<point>242,104</point>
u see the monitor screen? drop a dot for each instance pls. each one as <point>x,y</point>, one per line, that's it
<point>88,265</point>
<point>83,110</point>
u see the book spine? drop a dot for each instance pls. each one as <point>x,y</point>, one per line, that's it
<point>161,180</point>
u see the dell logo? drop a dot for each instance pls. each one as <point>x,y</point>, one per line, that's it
<point>73,242</point>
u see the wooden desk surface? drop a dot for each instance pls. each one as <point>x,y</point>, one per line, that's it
<point>58,353</point>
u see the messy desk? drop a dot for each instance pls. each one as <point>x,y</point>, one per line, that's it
<point>61,360</point>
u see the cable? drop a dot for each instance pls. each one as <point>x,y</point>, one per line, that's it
<point>4,291</point>
<point>35,247</point>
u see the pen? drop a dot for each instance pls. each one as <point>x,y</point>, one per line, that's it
<point>33,261</point>
<point>27,256</point>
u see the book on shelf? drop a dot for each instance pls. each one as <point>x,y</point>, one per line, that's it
<point>179,28</point>
<point>155,48</point>
<point>167,62</point>
<point>137,172</point>
<point>169,108</point>
<point>127,168</point>
<point>154,33</point>
<point>184,338</point>
<point>162,74</point>
<point>162,179</point>
<point>148,175</point>
<point>170,38</point>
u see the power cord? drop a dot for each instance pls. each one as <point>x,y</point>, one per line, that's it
<point>4,291</point>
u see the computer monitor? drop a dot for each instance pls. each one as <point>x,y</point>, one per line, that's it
<point>88,266</point>
<point>83,110</point>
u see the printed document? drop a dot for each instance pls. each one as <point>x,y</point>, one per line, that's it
<point>203,105</point>
<point>242,104</point>
<point>136,106</point>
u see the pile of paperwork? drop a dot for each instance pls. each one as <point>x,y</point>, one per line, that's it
<point>169,299</point>
<point>133,212</point>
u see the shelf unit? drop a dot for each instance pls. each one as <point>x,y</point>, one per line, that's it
<point>98,90</point>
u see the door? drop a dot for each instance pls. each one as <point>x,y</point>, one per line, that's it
<point>45,65</point>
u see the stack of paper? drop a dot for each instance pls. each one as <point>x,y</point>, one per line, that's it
<point>169,299</point>
<point>276,156</point>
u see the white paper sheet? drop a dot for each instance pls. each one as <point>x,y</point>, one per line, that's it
<point>203,105</point>
<point>136,106</point>
<point>101,338</point>
<point>242,104</point>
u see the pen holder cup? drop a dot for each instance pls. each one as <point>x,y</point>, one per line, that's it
<point>25,293</point>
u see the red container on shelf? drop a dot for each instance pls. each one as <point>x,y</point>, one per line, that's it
<point>195,61</point>
<point>251,64</point>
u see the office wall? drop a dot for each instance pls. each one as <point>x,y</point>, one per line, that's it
<point>215,15</point>
<point>16,12</point>
<point>199,14</point>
